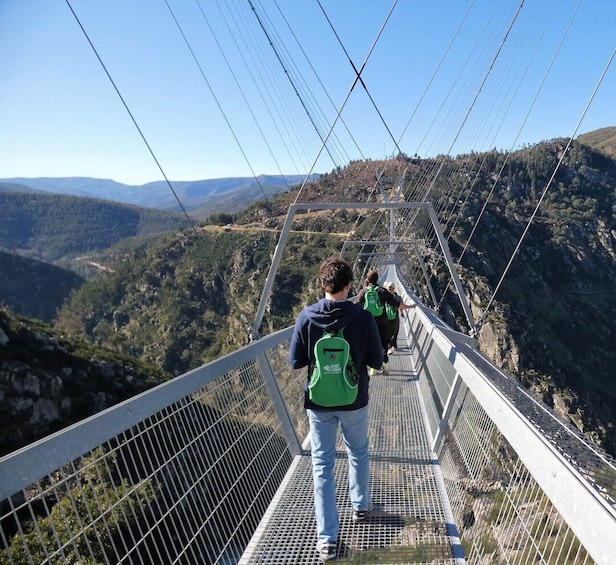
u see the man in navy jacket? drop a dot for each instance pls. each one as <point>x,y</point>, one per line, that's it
<point>360,330</point>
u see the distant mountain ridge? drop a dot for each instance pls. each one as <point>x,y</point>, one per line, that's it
<point>201,197</point>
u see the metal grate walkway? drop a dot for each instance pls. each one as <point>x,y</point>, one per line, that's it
<point>408,525</point>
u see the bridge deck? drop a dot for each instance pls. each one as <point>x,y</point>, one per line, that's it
<point>408,524</point>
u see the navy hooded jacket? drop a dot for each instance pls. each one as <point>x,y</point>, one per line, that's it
<point>360,331</point>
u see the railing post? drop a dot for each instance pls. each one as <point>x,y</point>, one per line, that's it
<point>269,281</point>
<point>443,426</point>
<point>269,378</point>
<point>452,269</point>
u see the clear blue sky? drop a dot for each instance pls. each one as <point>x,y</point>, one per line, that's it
<point>444,77</point>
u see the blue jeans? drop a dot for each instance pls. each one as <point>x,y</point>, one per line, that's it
<point>323,431</point>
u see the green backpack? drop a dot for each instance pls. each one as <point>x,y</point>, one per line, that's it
<point>372,301</point>
<point>390,311</point>
<point>334,377</point>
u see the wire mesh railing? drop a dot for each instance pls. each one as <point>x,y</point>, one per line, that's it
<point>524,486</point>
<point>181,474</point>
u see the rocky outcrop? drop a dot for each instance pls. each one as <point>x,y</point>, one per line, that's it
<point>48,383</point>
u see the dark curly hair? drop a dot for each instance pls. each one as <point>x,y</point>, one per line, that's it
<point>335,274</point>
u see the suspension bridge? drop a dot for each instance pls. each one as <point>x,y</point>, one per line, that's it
<point>214,465</point>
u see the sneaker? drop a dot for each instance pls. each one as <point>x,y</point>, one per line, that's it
<point>372,372</point>
<point>361,515</point>
<point>327,551</point>
<point>391,350</point>
<point>384,370</point>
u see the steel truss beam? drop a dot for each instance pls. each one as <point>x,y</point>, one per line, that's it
<point>286,229</point>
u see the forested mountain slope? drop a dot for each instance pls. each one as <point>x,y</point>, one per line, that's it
<point>33,288</point>
<point>53,227</point>
<point>553,324</point>
<point>603,140</point>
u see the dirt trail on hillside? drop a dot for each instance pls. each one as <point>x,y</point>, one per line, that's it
<point>252,227</point>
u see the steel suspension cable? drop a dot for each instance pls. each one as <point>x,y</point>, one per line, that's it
<point>526,117</point>
<point>358,73</point>
<point>318,79</point>
<point>495,57</point>
<point>295,76</point>
<point>502,168</point>
<point>293,85</point>
<point>461,73</point>
<point>494,184</point>
<point>243,97</point>
<point>545,190</point>
<point>335,147</point>
<point>485,78</point>
<point>224,115</point>
<point>425,91</point>
<point>191,221</point>
<point>335,121</point>
<point>258,71</point>
<point>471,186</point>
